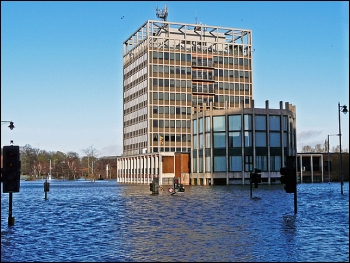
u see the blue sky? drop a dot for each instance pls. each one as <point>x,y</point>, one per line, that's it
<point>61,65</point>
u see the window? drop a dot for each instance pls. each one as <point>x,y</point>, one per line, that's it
<point>207,164</point>
<point>234,139</point>
<point>194,164</point>
<point>275,163</point>
<point>234,122</point>
<point>260,122</point>
<point>248,163</point>
<point>200,164</point>
<point>275,123</point>
<point>275,139</point>
<point>207,140</point>
<point>235,163</point>
<point>248,139</point>
<point>261,162</point>
<point>248,122</point>
<point>219,140</point>
<point>260,139</point>
<point>219,123</point>
<point>219,163</point>
<point>207,124</point>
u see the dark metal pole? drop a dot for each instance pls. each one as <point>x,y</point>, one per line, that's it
<point>295,195</point>
<point>11,220</point>
<point>329,169</point>
<point>251,185</point>
<point>341,161</point>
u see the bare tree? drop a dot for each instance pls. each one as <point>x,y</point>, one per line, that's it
<point>307,149</point>
<point>319,148</point>
<point>72,163</point>
<point>92,155</point>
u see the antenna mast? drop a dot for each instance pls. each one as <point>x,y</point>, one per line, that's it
<point>162,14</point>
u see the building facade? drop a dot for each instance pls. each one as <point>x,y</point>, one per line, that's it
<point>229,144</point>
<point>170,68</point>
<point>178,77</point>
<point>322,167</point>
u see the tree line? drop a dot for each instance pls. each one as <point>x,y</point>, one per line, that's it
<point>319,148</point>
<point>38,164</point>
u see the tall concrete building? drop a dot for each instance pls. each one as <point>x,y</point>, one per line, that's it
<point>169,68</point>
<point>171,73</point>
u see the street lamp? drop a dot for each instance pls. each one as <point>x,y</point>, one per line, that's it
<point>343,109</point>
<point>329,168</point>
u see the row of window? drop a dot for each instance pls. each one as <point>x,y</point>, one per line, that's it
<point>235,139</point>
<point>171,124</point>
<point>200,61</point>
<point>200,72</point>
<point>236,164</point>
<point>161,138</point>
<point>234,123</point>
<point>171,110</point>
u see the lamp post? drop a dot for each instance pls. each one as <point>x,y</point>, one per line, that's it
<point>50,171</point>
<point>329,167</point>
<point>343,109</point>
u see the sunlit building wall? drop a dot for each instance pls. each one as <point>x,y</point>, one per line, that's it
<point>168,68</point>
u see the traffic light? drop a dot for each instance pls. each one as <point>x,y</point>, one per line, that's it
<point>11,169</point>
<point>255,177</point>
<point>288,178</point>
<point>161,140</point>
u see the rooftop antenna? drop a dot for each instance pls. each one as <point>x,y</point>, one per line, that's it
<point>162,13</point>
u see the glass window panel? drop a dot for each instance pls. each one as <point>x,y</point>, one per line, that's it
<point>248,122</point>
<point>219,123</point>
<point>219,140</point>
<point>275,163</point>
<point>234,122</point>
<point>194,164</point>
<point>261,163</point>
<point>207,123</point>
<point>260,122</point>
<point>285,139</point>
<point>194,126</point>
<point>200,164</point>
<point>207,140</point>
<point>219,163</point>
<point>235,164</point>
<point>208,164</point>
<point>248,139</point>
<point>200,125</point>
<point>275,122</point>
<point>275,139</point>
<point>234,139</point>
<point>195,142</point>
<point>201,145</point>
<point>260,139</point>
<point>285,123</point>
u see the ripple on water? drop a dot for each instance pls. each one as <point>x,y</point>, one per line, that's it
<point>107,221</point>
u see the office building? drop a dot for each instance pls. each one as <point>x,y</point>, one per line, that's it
<point>172,74</point>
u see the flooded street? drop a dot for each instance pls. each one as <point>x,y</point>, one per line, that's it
<point>108,221</point>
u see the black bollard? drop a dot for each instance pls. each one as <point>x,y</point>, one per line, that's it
<point>46,188</point>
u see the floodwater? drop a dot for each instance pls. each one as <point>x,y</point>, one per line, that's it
<point>84,221</point>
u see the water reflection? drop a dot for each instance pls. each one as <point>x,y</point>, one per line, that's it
<point>107,221</point>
